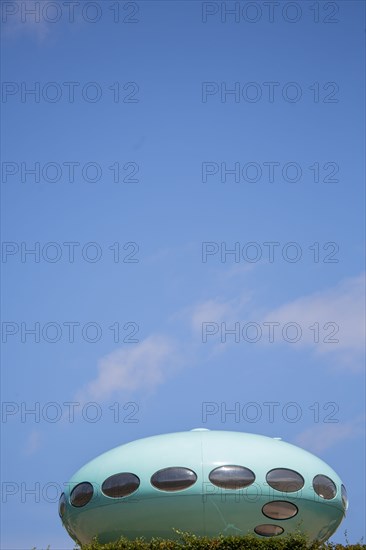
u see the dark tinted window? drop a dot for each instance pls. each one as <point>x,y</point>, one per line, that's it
<point>120,485</point>
<point>279,509</point>
<point>62,505</point>
<point>81,494</point>
<point>231,477</point>
<point>173,479</point>
<point>324,487</point>
<point>344,497</point>
<point>267,530</point>
<point>283,479</point>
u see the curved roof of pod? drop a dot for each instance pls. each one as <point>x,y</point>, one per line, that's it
<point>202,450</point>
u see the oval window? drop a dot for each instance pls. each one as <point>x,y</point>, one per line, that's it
<point>324,487</point>
<point>279,509</point>
<point>283,479</point>
<point>120,485</point>
<point>231,477</point>
<point>173,479</point>
<point>344,497</point>
<point>81,494</point>
<point>62,505</point>
<point>267,530</point>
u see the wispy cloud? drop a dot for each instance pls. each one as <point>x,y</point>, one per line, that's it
<point>211,310</point>
<point>216,310</point>
<point>330,322</point>
<point>322,437</point>
<point>341,305</point>
<point>26,18</point>
<point>235,271</point>
<point>148,364</point>
<point>144,366</point>
<point>33,443</point>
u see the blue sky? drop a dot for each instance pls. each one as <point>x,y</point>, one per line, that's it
<point>148,256</point>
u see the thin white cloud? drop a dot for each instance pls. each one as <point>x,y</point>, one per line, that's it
<point>208,315</point>
<point>216,310</point>
<point>342,307</point>
<point>322,437</point>
<point>330,322</point>
<point>148,364</point>
<point>22,17</point>
<point>236,270</point>
<point>211,310</point>
<point>33,442</point>
<point>143,366</point>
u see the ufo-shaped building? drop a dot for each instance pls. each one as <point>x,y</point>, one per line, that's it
<point>203,482</point>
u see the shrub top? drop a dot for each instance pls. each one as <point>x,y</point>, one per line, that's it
<point>247,542</point>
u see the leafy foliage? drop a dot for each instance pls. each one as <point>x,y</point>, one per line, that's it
<point>247,542</point>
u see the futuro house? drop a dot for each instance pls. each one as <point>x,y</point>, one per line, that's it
<point>203,482</point>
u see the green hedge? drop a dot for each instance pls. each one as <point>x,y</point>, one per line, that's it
<point>248,542</point>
